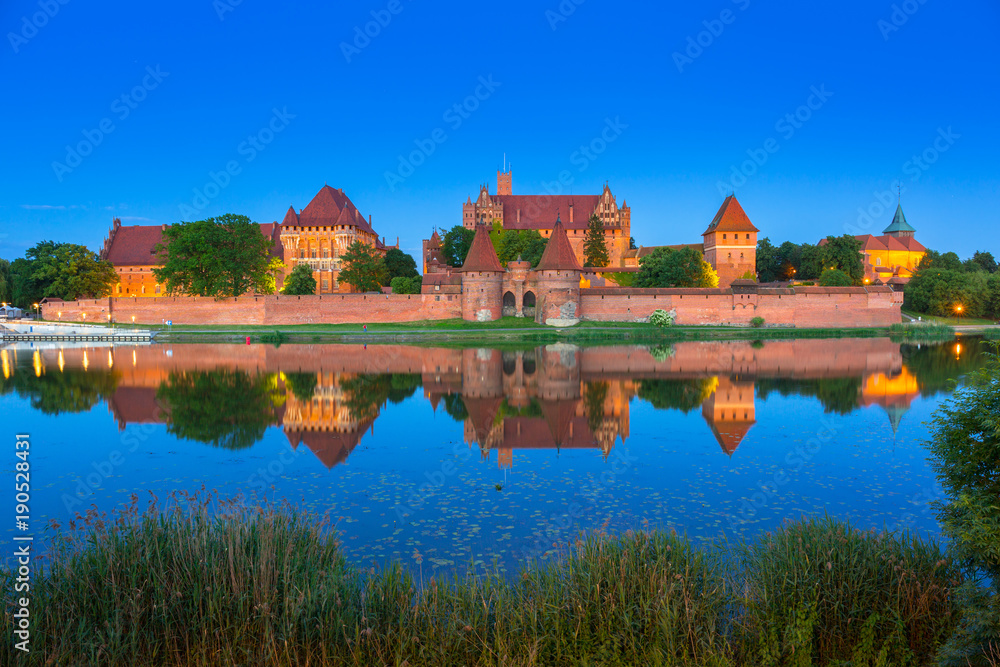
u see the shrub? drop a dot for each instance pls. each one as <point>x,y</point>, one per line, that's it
<point>835,278</point>
<point>662,318</point>
<point>622,278</point>
<point>401,285</point>
<point>757,322</point>
<point>965,442</point>
<point>835,592</point>
<point>749,275</point>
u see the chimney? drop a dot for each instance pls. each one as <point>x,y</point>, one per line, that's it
<point>518,216</point>
<point>571,212</point>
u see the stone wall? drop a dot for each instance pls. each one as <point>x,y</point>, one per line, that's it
<point>263,310</point>
<point>802,307</point>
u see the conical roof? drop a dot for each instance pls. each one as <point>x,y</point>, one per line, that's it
<point>899,223</point>
<point>291,218</point>
<point>482,256</point>
<point>730,218</point>
<point>558,255</point>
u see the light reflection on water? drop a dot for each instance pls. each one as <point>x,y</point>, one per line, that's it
<point>444,458</point>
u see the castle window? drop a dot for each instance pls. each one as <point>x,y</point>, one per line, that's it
<point>723,236</point>
<point>143,289</point>
<point>748,237</point>
<point>326,284</point>
<point>302,253</point>
<point>878,261</point>
<point>157,289</point>
<point>119,288</point>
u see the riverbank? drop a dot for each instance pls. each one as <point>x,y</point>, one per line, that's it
<point>510,330</point>
<point>242,586</point>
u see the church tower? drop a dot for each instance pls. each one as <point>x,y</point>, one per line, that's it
<point>899,227</point>
<point>505,185</point>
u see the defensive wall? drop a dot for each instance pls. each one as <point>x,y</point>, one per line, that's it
<point>801,307</point>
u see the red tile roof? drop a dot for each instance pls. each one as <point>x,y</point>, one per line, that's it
<point>330,447</point>
<point>558,255</point>
<point>331,207</point>
<point>482,256</point>
<point>730,218</point>
<point>542,211</point>
<point>133,246</point>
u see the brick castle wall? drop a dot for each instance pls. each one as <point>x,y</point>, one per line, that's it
<point>263,310</point>
<point>803,307</point>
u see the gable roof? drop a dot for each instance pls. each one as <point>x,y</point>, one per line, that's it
<point>899,223</point>
<point>332,207</point>
<point>482,256</point>
<point>730,218</point>
<point>133,245</point>
<point>558,254</point>
<point>542,211</point>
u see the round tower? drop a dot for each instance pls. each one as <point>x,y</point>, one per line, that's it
<point>558,281</point>
<point>482,280</point>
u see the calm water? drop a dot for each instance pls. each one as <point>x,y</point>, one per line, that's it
<point>443,458</point>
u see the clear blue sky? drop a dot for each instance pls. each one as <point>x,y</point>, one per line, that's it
<point>681,127</point>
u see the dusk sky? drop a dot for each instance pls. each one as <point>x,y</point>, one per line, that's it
<point>837,102</point>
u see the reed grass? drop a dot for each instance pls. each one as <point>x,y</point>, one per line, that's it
<point>204,582</point>
<point>923,331</point>
<point>818,592</point>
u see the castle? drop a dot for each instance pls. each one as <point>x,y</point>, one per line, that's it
<point>891,258</point>
<point>316,236</point>
<point>540,212</point>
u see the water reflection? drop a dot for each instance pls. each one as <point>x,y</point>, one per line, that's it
<point>557,396</point>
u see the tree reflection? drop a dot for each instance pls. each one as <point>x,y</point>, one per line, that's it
<point>938,367</point>
<point>224,408</point>
<point>840,395</point>
<point>301,385</point>
<point>67,391</point>
<point>683,395</point>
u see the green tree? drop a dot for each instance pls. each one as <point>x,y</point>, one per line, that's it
<point>666,267</point>
<point>844,253</point>
<point>401,285</point>
<point>985,261</point>
<point>594,396</point>
<point>56,392</point>
<point>965,444</point>
<point>595,250</point>
<point>63,270</point>
<point>363,268</point>
<point>300,281</point>
<point>528,244</point>
<point>400,264</point>
<point>835,278</point>
<point>221,257</point>
<point>5,281</point>
<point>224,408</point>
<point>768,263</point>
<point>939,292</point>
<point>810,263</point>
<point>455,245</point>
<point>683,395</point>
<point>631,243</point>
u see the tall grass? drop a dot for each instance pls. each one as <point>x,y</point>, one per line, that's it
<point>923,331</point>
<point>190,586</point>
<point>818,591</point>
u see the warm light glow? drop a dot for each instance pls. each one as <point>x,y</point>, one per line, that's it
<point>60,314</point>
<point>6,364</point>
<point>133,357</point>
<point>133,319</point>
<point>111,360</point>
<point>36,361</point>
<point>958,308</point>
<point>86,361</point>
<point>62,361</point>
<point>958,349</point>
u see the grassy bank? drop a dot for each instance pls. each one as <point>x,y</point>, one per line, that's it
<point>508,329</point>
<point>260,587</point>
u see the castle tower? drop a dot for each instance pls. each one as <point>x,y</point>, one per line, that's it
<point>731,243</point>
<point>482,280</point>
<point>558,280</point>
<point>899,227</point>
<point>505,185</point>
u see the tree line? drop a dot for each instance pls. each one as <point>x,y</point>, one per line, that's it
<point>945,286</point>
<point>224,256</point>
<point>836,263</point>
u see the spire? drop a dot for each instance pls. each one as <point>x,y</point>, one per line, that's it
<point>558,255</point>
<point>482,256</point>
<point>899,223</point>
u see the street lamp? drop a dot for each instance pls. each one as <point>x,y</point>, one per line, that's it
<point>958,311</point>
<point>35,306</point>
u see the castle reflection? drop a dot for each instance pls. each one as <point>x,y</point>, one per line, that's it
<point>327,397</point>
